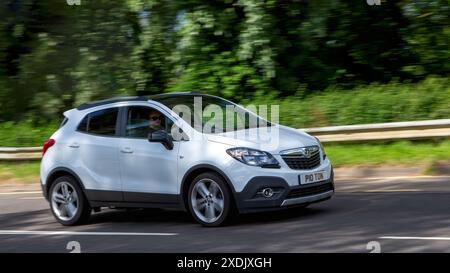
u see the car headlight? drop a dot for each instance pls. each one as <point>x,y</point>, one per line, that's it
<point>324,155</point>
<point>254,157</point>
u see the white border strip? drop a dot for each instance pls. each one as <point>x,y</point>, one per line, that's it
<point>20,192</point>
<point>390,178</point>
<point>416,238</point>
<point>80,233</point>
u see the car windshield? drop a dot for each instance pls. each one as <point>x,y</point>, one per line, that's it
<point>209,114</point>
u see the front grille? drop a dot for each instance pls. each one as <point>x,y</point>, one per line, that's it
<point>300,162</point>
<point>312,190</point>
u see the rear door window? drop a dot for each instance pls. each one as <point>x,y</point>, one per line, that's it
<point>103,122</point>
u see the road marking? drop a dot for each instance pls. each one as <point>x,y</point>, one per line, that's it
<point>80,233</point>
<point>415,238</point>
<point>31,198</point>
<point>20,192</point>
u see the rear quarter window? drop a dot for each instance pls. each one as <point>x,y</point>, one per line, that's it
<point>64,122</point>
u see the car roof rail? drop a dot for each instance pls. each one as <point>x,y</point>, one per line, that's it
<point>174,94</point>
<point>111,100</point>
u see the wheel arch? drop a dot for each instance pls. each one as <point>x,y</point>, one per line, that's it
<point>59,172</point>
<point>194,172</point>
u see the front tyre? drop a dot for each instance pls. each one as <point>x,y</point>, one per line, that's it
<point>210,200</point>
<point>68,203</point>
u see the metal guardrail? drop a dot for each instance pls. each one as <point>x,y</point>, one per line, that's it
<point>426,129</point>
<point>20,155</point>
<point>381,127</point>
<point>410,130</point>
<point>13,150</point>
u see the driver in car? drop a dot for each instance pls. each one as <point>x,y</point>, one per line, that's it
<point>155,121</point>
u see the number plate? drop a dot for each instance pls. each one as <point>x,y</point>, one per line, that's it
<point>311,178</point>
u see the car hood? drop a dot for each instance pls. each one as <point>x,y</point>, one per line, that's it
<point>272,139</point>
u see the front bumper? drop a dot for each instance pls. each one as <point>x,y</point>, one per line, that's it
<point>285,196</point>
<point>308,199</point>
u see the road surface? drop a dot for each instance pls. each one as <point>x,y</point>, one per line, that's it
<point>393,214</point>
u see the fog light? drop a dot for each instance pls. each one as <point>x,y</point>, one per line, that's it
<point>267,192</point>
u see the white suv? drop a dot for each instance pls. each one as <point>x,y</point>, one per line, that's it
<point>153,152</point>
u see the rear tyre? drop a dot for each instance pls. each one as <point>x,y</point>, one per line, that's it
<point>68,203</point>
<point>210,200</point>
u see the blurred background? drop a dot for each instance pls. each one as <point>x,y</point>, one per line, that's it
<point>324,62</point>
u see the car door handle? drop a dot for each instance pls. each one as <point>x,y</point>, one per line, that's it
<point>74,145</point>
<point>127,150</point>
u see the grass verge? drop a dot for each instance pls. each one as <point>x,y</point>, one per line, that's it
<point>19,172</point>
<point>395,153</point>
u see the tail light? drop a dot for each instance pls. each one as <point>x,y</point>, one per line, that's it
<point>47,145</point>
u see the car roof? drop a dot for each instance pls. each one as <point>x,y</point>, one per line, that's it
<point>137,98</point>
<point>109,101</point>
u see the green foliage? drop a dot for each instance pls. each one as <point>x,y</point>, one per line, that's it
<point>25,134</point>
<point>54,56</point>
<point>58,55</point>
<point>375,103</point>
<point>429,99</point>
<point>428,35</point>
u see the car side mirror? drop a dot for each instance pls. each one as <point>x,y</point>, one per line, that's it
<point>163,137</point>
